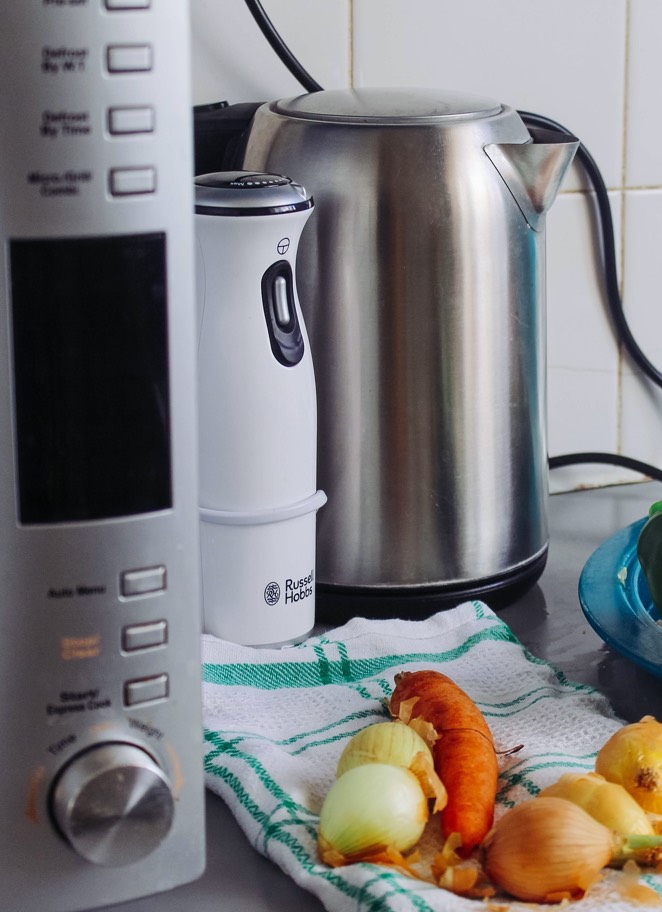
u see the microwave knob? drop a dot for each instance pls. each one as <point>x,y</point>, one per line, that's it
<point>113,804</point>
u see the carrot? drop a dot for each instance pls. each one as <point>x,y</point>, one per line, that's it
<point>464,755</point>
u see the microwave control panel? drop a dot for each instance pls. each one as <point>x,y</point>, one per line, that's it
<point>102,788</point>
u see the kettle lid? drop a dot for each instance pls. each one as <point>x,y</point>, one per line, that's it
<point>235,193</point>
<point>388,106</point>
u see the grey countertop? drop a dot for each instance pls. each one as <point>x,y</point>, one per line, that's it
<point>547,620</point>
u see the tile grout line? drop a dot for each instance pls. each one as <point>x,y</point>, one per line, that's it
<point>350,40</point>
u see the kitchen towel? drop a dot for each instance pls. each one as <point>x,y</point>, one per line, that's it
<point>277,720</point>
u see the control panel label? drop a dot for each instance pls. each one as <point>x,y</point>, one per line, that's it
<point>65,123</point>
<point>73,648</point>
<point>32,804</point>
<point>149,731</point>
<point>70,702</point>
<point>59,183</point>
<point>67,592</point>
<point>58,746</point>
<point>56,60</point>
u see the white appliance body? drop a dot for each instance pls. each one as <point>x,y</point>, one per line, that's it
<point>257,412</point>
<point>102,791</point>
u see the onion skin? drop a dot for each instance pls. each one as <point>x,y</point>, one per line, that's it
<point>371,810</point>
<point>607,802</point>
<point>632,757</point>
<point>398,745</point>
<point>382,742</point>
<point>547,848</point>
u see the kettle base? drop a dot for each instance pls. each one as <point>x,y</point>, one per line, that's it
<point>338,604</point>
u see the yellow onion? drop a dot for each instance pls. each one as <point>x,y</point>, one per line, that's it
<point>369,811</point>
<point>548,849</point>
<point>607,802</point>
<point>397,745</point>
<point>633,758</point>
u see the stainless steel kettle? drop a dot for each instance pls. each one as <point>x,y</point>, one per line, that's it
<point>422,284</point>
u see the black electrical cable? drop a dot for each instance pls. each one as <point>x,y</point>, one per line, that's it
<point>626,462</point>
<point>286,56</point>
<point>613,298</point>
<point>614,302</point>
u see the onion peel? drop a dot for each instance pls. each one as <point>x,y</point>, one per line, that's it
<point>420,725</point>
<point>387,855</point>
<point>422,766</point>
<point>448,856</point>
<point>631,889</point>
<point>456,875</point>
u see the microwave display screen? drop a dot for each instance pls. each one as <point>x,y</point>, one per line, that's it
<point>90,350</point>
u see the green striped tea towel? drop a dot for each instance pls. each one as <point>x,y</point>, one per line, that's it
<point>276,722</point>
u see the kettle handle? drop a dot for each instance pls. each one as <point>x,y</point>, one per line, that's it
<point>534,171</point>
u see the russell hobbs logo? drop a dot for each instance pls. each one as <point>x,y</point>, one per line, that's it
<point>272,593</point>
<point>295,590</point>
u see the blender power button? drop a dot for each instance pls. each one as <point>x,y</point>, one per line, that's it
<point>281,302</point>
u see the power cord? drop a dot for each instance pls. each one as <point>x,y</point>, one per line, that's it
<point>278,45</point>
<point>613,297</point>
<point>606,224</point>
<point>626,462</point>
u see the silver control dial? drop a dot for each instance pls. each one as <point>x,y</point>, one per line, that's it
<point>113,803</point>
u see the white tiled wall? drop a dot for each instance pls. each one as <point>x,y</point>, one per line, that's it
<point>593,65</point>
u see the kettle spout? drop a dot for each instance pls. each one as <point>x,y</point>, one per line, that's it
<point>534,171</point>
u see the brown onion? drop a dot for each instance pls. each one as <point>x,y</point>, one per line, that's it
<point>546,849</point>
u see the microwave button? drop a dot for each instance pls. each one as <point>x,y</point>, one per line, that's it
<point>127,4</point>
<point>130,120</point>
<point>143,581</point>
<point>129,58</point>
<point>132,181</point>
<point>146,690</point>
<point>144,636</point>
